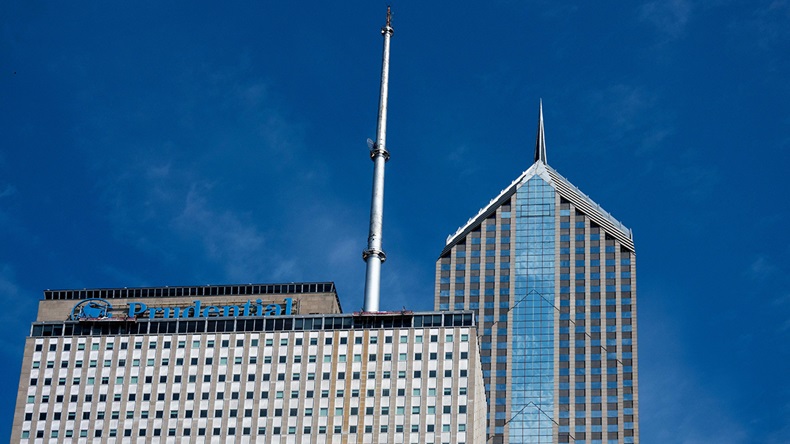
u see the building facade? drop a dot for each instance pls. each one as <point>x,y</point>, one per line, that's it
<point>246,364</point>
<point>552,277</point>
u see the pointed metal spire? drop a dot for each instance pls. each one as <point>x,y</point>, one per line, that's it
<point>374,255</point>
<point>540,143</point>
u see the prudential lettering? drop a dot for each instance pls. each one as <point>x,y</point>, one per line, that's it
<point>198,310</point>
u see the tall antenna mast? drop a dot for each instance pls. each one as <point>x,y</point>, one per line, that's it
<point>374,256</point>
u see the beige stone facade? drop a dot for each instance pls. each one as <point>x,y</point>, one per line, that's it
<point>308,298</point>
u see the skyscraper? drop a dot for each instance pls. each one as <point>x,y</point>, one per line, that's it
<point>552,277</point>
<point>264,363</point>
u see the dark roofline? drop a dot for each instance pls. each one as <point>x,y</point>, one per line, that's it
<point>318,322</point>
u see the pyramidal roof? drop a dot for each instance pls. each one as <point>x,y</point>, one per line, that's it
<point>566,189</point>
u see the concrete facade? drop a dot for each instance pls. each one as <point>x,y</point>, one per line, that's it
<point>331,378</point>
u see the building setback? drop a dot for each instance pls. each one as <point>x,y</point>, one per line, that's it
<point>93,374</point>
<point>552,277</point>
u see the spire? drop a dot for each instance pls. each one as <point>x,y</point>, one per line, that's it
<point>374,256</point>
<point>540,143</point>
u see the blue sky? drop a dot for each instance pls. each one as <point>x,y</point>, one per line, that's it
<point>150,144</point>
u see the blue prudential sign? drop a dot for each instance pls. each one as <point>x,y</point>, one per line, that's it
<point>102,309</point>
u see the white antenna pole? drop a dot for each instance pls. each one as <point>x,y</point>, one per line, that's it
<point>374,256</point>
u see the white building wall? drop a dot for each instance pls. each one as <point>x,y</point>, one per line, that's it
<point>400,385</point>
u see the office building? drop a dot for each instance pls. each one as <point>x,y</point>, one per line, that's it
<point>552,277</point>
<point>276,363</point>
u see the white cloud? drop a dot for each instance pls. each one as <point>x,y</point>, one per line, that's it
<point>125,276</point>
<point>631,116</point>
<point>343,252</point>
<point>781,300</point>
<point>458,159</point>
<point>557,10</point>
<point>9,290</point>
<point>9,190</point>
<point>624,107</point>
<point>693,181</point>
<point>326,241</point>
<point>670,17</point>
<point>629,103</point>
<point>11,222</point>
<point>678,402</point>
<point>768,22</point>
<point>400,288</point>
<point>761,268</point>
<point>14,315</point>
<point>181,200</point>
<point>225,237</point>
<point>683,412</point>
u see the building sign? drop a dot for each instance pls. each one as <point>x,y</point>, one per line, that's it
<point>91,309</point>
<point>102,309</point>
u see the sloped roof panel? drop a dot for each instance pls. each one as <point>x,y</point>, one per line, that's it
<point>566,189</point>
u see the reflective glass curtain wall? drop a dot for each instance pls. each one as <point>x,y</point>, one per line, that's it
<point>532,335</point>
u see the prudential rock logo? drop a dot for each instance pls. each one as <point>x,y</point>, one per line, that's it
<point>91,309</point>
